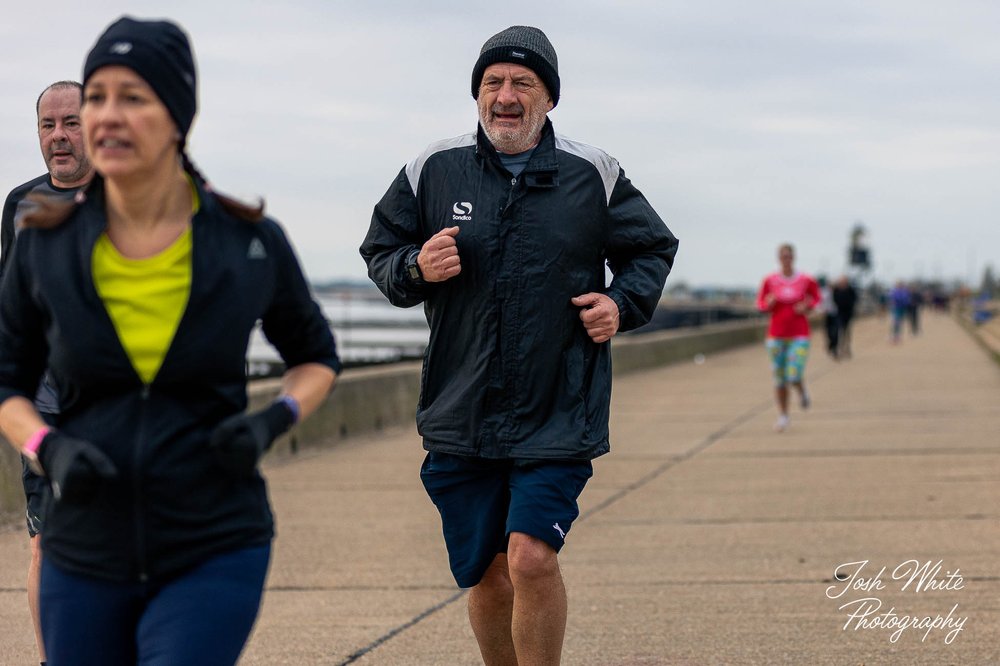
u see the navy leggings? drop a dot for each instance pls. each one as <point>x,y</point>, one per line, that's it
<point>201,618</point>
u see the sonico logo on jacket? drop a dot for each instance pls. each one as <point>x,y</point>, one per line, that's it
<point>462,211</point>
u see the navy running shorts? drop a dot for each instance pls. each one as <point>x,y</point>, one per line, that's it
<point>481,501</point>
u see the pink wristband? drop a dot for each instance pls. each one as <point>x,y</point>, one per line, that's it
<point>31,446</point>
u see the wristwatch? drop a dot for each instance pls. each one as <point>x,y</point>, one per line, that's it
<point>413,268</point>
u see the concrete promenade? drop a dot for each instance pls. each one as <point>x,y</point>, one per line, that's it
<point>705,538</point>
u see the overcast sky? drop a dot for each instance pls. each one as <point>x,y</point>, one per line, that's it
<point>745,124</point>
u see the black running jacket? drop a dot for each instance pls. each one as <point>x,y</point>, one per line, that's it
<point>509,371</point>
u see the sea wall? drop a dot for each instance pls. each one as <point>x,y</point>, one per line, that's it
<point>370,399</point>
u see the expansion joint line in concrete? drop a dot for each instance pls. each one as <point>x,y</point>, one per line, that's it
<point>674,461</point>
<point>403,627</point>
<point>690,453</point>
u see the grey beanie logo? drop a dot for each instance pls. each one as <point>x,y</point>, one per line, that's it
<point>120,48</point>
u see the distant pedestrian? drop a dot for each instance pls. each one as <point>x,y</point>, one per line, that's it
<point>845,296</point>
<point>913,309</point>
<point>831,322</point>
<point>789,296</point>
<point>898,300</point>
<point>140,297</point>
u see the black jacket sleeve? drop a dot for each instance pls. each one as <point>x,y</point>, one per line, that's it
<point>294,322</point>
<point>394,239</point>
<point>23,346</point>
<point>7,231</point>
<point>641,253</point>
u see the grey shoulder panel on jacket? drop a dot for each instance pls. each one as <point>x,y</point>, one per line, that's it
<point>606,165</point>
<point>414,168</point>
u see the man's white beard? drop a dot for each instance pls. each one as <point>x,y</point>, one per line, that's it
<point>513,141</point>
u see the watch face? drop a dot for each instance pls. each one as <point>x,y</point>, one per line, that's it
<point>414,271</point>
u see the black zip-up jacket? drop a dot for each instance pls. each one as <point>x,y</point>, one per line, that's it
<point>170,507</point>
<point>14,208</point>
<point>15,201</point>
<point>509,371</point>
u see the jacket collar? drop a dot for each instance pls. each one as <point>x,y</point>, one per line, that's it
<point>543,159</point>
<point>92,221</point>
<point>209,243</point>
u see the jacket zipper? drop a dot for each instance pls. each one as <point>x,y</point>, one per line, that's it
<point>502,441</point>
<point>140,532</point>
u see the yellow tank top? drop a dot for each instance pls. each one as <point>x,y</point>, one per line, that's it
<point>145,298</point>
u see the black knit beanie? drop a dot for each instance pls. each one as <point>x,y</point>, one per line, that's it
<point>160,53</point>
<point>521,45</point>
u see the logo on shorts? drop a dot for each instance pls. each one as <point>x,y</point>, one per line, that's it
<point>562,535</point>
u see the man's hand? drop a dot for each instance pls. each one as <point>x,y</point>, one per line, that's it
<point>599,315</point>
<point>438,258</point>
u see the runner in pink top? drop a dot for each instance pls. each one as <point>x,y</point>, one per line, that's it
<point>788,296</point>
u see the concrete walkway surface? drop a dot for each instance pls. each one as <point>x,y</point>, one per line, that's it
<point>705,537</point>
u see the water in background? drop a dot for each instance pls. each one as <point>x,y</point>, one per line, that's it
<point>367,327</point>
<point>370,330</point>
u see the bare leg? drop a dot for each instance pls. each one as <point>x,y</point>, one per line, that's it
<point>803,395</point>
<point>781,397</point>
<point>518,609</point>
<point>539,617</point>
<point>34,577</point>
<point>491,605</point>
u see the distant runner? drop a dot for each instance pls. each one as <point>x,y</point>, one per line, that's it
<point>789,296</point>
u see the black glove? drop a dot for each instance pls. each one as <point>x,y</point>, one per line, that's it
<point>76,468</point>
<point>240,441</point>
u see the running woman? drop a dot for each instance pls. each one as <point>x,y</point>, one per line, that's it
<point>140,297</point>
<point>789,296</point>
